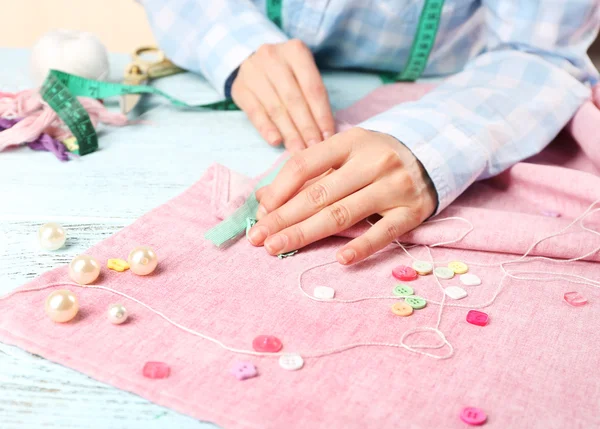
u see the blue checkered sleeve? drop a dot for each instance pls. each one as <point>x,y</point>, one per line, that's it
<point>509,102</point>
<point>210,37</point>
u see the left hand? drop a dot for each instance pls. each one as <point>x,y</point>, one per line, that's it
<point>331,186</point>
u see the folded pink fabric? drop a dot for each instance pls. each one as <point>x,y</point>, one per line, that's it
<point>534,365</point>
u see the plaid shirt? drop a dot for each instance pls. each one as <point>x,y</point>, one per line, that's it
<point>518,70</point>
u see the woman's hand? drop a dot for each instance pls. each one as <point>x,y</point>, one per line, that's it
<point>329,187</point>
<point>280,89</point>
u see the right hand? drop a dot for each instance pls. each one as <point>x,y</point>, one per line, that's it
<point>280,89</point>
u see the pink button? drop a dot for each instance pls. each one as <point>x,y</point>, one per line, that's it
<point>575,299</point>
<point>473,416</point>
<point>404,273</point>
<point>267,344</point>
<point>244,370</point>
<point>156,370</point>
<point>478,318</point>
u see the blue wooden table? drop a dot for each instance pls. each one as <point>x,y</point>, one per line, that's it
<point>137,168</point>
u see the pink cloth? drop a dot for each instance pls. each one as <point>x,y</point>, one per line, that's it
<point>535,365</point>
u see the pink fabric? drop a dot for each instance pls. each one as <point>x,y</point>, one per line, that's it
<point>534,365</point>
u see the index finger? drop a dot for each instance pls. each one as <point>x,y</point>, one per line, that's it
<point>299,169</point>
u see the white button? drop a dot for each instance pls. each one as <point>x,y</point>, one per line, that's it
<point>455,292</point>
<point>291,361</point>
<point>422,267</point>
<point>470,280</point>
<point>324,292</point>
<point>444,273</point>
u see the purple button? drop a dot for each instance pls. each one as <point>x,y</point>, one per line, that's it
<point>244,370</point>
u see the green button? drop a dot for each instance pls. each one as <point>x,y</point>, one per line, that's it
<point>416,302</point>
<point>403,290</point>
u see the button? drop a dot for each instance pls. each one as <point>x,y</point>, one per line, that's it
<point>415,302</point>
<point>117,265</point>
<point>402,309</point>
<point>267,344</point>
<point>478,318</point>
<point>156,370</point>
<point>458,267</point>
<point>473,416</point>
<point>324,292</point>
<point>470,280</point>
<point>422,268</point>
<point>244,370</point>
<point>443,273</point>
<point>404,273</point>
<point>403,290</point>
<point>575,299</point>
<point>291,361</point>
<point>455,292</point>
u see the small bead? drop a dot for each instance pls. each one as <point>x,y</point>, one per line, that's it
<point>117,314</point>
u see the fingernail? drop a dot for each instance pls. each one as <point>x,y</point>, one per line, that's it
<point>312,142</point>
<point>276,244</point>
<point>273,138</point>
<point>257,235</point>
<point>326,135</point>
<point>261,212</point>
<point>347,256</point>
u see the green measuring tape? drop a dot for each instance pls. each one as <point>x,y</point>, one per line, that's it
<point>61,89</point>
<point>429,21</point>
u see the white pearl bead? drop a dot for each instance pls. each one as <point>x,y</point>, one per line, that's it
<point>142,260</point>
<point>62,306</point>
<point>117,314</point>
<point>84,269</point>
<point>52,236</point>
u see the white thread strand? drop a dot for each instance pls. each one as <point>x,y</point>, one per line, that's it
<point>517,275</point>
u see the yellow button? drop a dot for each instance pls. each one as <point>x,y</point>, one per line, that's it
<point>458,267</point>
<point>402,309</point>
<point>117,265</point>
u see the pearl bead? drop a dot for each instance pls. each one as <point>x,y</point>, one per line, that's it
<point>84,269</point>
<point>117,314</point>
<point>142,260</point>
<point>52,236</point>
<point>62,305</point>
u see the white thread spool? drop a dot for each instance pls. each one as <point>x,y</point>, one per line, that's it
<point>76,52</point>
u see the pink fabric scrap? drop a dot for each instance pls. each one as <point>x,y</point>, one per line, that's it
<point>530,368</point>
<point>39,118</point>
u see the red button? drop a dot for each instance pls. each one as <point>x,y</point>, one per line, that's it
<point>156,370</point>
<point>404,273</point>
<point>267,344</point>
<point>478,318</point>
<point>473,416</point>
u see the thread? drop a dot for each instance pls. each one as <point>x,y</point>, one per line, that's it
<point>418,348</point>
